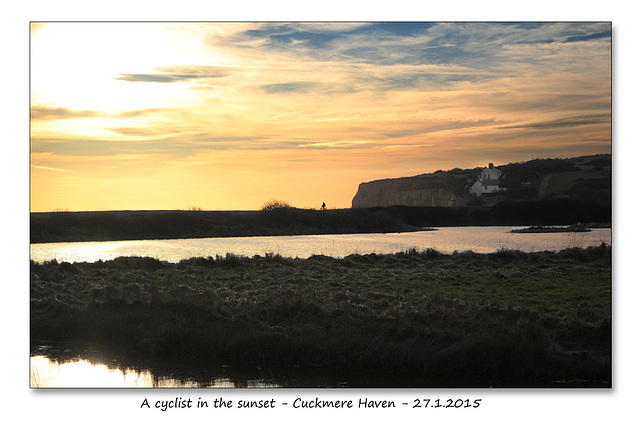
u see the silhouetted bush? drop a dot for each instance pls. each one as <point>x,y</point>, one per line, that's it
<point>275,204</point>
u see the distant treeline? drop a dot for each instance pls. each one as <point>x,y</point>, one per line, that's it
<point>138,225</point>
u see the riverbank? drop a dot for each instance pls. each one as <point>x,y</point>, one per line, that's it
<point>552,229</point>
<point>48,227</point>
<point>505,317</point>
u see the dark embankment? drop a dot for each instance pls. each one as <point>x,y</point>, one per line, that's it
<point>508,212</point>
<point>503,318</point>
<point>138,225</point>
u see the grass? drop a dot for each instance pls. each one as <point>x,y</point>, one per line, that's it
<point>562,183</point>
<point>506,315</point>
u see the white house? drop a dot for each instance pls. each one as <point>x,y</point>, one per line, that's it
<point>488,182</point>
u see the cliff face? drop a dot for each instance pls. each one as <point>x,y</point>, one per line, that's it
<point>414,191</point>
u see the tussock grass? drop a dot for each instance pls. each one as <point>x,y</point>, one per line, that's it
<point>504,315</point>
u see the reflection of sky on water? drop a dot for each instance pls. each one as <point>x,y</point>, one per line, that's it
<point>80,373</point>
<point>445,240</point>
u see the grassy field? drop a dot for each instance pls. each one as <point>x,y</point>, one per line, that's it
<point>507,316</point>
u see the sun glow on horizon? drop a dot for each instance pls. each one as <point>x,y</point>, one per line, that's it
<point>228,115</point>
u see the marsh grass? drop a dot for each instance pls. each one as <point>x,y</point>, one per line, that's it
<point>504,315</point>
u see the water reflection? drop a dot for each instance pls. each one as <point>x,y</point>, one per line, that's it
<point>58,367</point>
<point>82,373</point>
<point>47,373</point>
<point>445,240</point>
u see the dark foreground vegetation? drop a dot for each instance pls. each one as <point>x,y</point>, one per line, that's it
<point>504,318</point>
<point>139,225</point>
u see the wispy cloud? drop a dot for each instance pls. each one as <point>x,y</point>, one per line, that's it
<point>416,43</point>
<point>50,168</point>
<point>45,112</point>
<point>139,132</point>
<point>564,122</point>
<point>141,113</point>
<point>335,144</point>
<point>156,78</point>
<point>40,112</point>
<point>177,74</point>
<point>288,87</point>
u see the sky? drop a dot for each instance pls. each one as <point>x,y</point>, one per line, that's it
<point>228,115</point>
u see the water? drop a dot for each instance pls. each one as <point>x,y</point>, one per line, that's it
<point>62,367</point>
<point>78,369</point>
<point>445,240</point>
<point>77,372</point>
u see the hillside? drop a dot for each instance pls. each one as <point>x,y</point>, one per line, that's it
<point>586,178</point>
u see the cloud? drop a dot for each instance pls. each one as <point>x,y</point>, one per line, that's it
<point>288,87</point>
<point>141,113</point>
<point>464,44</point>
<point>351,58</point>
<point>133,131</point>
<point>279,36</point>
<point>564,122</point>
<point>40,112</point>
<point>44,113</point>
<point>154,78</point>
<point>50,168</point>
<point>418,128</point>
<point>393,29</point>
<point>593,36</point>
<point>174,142</point>
<point>335,144</point>
<point>177,74</point>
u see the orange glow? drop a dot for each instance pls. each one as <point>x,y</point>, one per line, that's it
<point>226,116</point>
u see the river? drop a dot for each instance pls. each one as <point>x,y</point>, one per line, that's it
<point>445,240</point>
<point>79,370</point>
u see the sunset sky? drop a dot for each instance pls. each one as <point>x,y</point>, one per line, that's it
<point>228,115</point>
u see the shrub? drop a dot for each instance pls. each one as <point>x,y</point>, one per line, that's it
<point>275,204</point>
